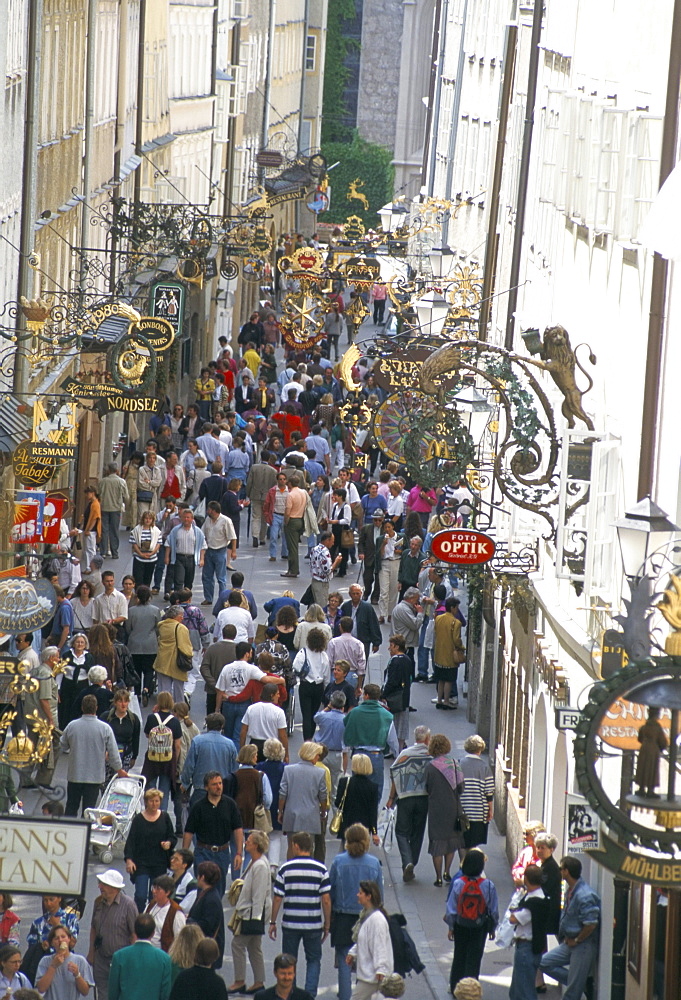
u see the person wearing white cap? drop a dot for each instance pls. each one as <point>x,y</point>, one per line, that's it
<point>112,928</point>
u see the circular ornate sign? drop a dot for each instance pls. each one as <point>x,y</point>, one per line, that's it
<point>463,546</point>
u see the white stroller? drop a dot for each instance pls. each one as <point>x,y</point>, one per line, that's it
<point>120,803</point>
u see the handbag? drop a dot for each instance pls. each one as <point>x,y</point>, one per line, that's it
<point>386,828</point>
<point>337,821</point>
<point>144,496</point>
<point>253,926</point>
<point>305,669</point>
<point>459,655</point>
<point>262,819</point>
<point>347,538</point>
<point>395,700</point>
<point>201,508</point>
<point>183,661</point>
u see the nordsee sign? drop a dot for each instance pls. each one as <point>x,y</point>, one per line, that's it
<point>43,857</point>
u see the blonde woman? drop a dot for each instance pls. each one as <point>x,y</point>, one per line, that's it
<point>150,480</point>
<point>528,854</point>
<point>273,769</point>
<point>183,949</point>
<point>314,618</point>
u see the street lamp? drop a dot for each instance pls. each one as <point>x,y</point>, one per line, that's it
<point>441,261</point>
<point>392,216</point>
<point>474,404</point>
<point>642,530</point>
<point>432,311</point>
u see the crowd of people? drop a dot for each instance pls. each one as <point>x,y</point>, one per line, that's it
<point>262,458</point>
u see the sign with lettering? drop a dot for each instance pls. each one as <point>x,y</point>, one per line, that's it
<point>463,546</point>
<point>29,511</point>
<point>55,429</point>
<point>167,302</point>
<point>54,511</point>
<point>29,469</point>
<point>613,653</point>
<point>160,333</point>
<point>129,404</point>
<point>25,605</point>
<point>567,718</point>
<point>400,370</point>
<point>662,870</point>
<point>622,721</point>
<point>82,390</point>
<point>39,856</point>
<point>583,826</point>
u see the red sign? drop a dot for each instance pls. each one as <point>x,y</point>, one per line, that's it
<point>462,546</point>
<point>26,528</point>
<point>54,509</point>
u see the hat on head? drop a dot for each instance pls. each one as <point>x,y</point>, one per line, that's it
<point>379,512</point>
<point>111,877</point>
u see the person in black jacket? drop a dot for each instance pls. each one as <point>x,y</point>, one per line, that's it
<point>207,910</point>
<point>244,396</point>
<point>231,507</point>
<point>552,884</point>
<point>397,681</point>
<point>252,332</point>
<point>529,916</point>
<point>358,797</point>
<point>369,549</point>
<point>366,628</point>
<point>201,982</point>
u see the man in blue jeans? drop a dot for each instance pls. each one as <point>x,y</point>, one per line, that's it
<point>220,536</point>
<point>571,962</point>
<point>214,820</point>
<point>278,495</point>
<point>302,883</point>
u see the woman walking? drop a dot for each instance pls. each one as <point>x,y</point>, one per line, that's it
<point>83,606</point>
<point>254,907</point>
<point>173,638</point>
<point>207,909</point>
<point>311,665</point>
<point>146,543</point>
<point>126,729</point>
<point>348,870</point>
<point>273,769</point>
<point>77,661</point>
<point>150,842</point>
<point>372,954</point>
<point>448,653</point>
<point>104,653</point>
<point>164,733</point>
<point>142,642</point>
<point>468,893</point>
<point>357,797</point>
<point>314,618</point>
<point>444,784</point>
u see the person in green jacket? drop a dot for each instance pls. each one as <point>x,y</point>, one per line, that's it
<point>8,792</point>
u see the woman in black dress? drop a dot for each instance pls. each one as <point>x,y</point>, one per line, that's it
<point>360,804</point>
<point>150,843</point>
<point>207,910</point>
<point>552,884</point>
<point>77,661</point>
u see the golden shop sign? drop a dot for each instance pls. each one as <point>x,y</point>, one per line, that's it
<point>129,404</point>
<point>29,469</point>
<point>659,870</point>
<point>159,332</point>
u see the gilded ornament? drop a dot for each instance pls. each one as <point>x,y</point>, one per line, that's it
<point>354,194</point>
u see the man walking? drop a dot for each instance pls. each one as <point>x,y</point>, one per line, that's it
<point>209,751</point>
<point>407,620</point>
<point>214,659</point>
<point>113,928</point>
<point>411,562</point>
<point>365,625</point>
<point>274,511</point>
<point>570,963</point>
<point>369,550</point>
<point>91,744</point>
<point>140,971</point>
<point>214,819</point>
<point>185,550</point>
<point>322,567</point>
<point>408,788</point>
<point>369,729</point>
<point>302,891</point>
<point>219,533</point>
<point>285,988</point>
<point>113,495</point>
<point>111,607</point>
<point>294,524</point>
<point>345,647</point>
<point>261,478</point>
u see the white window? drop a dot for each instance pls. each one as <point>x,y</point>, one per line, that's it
<point>306,136</point>
<point>239,10</point>
<point>311,53</point>
<point>601,549</point>
<point>15,59</point>
<point>608,182</point>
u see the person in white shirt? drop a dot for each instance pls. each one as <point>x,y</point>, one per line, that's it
<point>161,909</point>
<point>231,695</point>
<point>311,665</point>
<point>237,616</point>
<point>187,457</point>
<point>265,721</point>
<point>372,955</point>
<point>219,533</point>
<point>295,383</point>
<point>111,607</point>
<point>530,918</point>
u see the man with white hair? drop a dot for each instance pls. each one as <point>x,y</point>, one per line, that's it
<point>90,744</point>
<point>408,788</point>
<point>477,797</point>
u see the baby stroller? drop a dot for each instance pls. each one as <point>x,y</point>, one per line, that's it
<point>121,801</point>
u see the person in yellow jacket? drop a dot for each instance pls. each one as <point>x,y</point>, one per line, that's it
<point>448,653</point>
<point>173,637</point>
<point>92,524</point>
<point>204,387</point>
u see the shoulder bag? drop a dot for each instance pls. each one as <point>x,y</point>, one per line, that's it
<point>183,661</point>
<point>262,818</point>
<point>337,821</point>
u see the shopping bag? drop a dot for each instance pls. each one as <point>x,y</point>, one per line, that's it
<point>386,828</point>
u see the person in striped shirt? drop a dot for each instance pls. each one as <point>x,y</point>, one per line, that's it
<point>477,797</point>
<point>302,891</point>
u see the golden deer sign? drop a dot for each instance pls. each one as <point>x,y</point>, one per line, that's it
<point>354,194</point>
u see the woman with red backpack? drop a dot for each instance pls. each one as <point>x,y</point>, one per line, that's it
<point>472,915</point>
